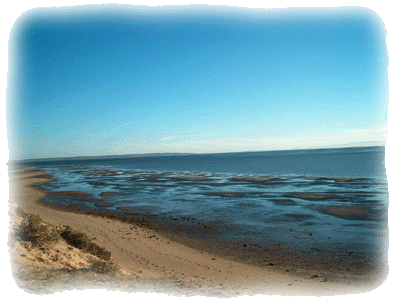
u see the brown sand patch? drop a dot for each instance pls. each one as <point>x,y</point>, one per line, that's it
<point>13,171</point>
<point>159,177</point>
<point>131,171</point>
<point>74,193</point>
<point>31,173</point>
<point>110,193</point>
<point>190,179</point>
<point>253,179</point>
<point>127,208</point>
<point>292,217</point>
<point>349,212</point>
<point>101,203</point>
<point>284,202</point>
<point>98,183</point>
<point>312,196</point>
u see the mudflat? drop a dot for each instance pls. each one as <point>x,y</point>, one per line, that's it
<point>150,254</point>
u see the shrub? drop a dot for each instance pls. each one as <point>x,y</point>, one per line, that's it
<point>82,241</point>
<point>105,267</point>
<point>32,229</point>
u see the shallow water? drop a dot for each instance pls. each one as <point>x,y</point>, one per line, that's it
<point>307,210</point>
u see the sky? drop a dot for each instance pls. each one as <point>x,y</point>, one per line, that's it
<point>24,134</point>
<point>107,80</point>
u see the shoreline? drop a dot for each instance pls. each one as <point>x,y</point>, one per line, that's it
<point>151,252</point>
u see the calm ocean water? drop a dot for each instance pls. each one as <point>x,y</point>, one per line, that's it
<point>350,162</point>
<point>290,197</point>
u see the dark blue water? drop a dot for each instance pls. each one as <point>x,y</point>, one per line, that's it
<point>339,196</point>
<point>351,162</point>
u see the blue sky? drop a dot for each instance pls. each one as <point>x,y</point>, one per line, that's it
<point>105,80</point>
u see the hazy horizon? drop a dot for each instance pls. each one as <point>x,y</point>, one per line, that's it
<point>108,80</point>
<point>366,144</point>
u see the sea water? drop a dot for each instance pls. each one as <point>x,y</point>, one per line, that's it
<point>290,197</point>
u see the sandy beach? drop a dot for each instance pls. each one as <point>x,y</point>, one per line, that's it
<point>148,254</point>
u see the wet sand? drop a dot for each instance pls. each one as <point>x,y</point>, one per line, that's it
<point>339,179</point>
<point>312,196</point>
<point>150,248</point>
<point>350,212</point>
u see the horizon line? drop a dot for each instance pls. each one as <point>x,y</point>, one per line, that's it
<point>160,154</point>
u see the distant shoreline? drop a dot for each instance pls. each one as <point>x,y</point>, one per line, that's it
<point>13,162</point>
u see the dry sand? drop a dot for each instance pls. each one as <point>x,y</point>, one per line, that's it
<point>148,256</point>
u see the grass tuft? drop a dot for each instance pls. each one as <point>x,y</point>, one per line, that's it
<point>32,229</point>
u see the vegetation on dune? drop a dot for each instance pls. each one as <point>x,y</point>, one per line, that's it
<point>34,230</point>
<point>105,267</point>
<point>82,241</point>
